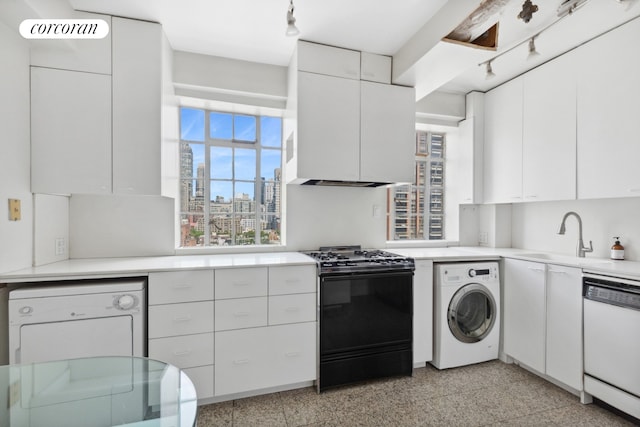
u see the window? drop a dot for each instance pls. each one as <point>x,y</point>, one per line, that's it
<point>416,211</point>
<point>222,202</point>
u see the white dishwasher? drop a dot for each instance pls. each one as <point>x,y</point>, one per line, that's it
<point>73,319</point>
<point>611,345</point>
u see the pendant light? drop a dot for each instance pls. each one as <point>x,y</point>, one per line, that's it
<point>292,30</point>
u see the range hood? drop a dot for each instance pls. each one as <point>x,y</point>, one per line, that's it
<point>332,183</point>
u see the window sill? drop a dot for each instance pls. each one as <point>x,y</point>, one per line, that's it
<point>390,244</point>
<point>215,250</point>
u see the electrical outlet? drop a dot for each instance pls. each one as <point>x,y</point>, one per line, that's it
<point>483,238</point>
<point>61,246</point>
<point>376,211</point>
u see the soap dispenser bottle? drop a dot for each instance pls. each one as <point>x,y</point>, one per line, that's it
<point>617,250</point>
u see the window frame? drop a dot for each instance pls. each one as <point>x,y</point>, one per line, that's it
<point>233,144</point>
<point>421,187</point>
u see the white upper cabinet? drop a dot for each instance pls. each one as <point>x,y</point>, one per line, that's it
<point>137,101</point>
<point>70,132</point>
<point>608,115</point>
<point>89,55</point>
<point>387,132</point>
<point>348,129</point>
<point>329,60</point>
<point>503,143</point>
<point>549,131</point>
<point>99,131</point>
<point>375,68</point>
<point>328,127</point>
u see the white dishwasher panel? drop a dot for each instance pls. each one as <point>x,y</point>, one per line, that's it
<point>611,346</point>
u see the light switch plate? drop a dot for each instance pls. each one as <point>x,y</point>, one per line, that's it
<point>15,212</point>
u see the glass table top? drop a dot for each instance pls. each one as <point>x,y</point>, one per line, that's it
<point>96,392</point>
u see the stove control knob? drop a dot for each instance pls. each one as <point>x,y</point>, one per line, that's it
<point>126,302</point>
<point>472,272</point>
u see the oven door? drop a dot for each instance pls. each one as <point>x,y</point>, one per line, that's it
<point>362,312</point>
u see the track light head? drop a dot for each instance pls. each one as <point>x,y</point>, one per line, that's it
<point>490,74</point>
<point>292,30</point>
<point>532,48</point>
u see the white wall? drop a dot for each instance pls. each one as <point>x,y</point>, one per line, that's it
<point>120,226</point>
<point>326,216</point>
<point>16,237</point>
<point>51,223</point>
<point>535,226</point>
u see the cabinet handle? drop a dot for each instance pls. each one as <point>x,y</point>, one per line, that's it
<point>634,190</point>
<point>182,352</point>
<point>532,196</point>
<point>516,197</point>
<point>241,361</point>
<point>179,287</point>
<point>292,309</point>
<point>292,354</point>
<point>240,283</point>
<point>538,269</point>
<point>292,281</point>
<point>182,319</point>
<point>241,313</point>
<point>557,272</point>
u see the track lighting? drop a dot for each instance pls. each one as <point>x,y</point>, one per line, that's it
<point>292,30</point>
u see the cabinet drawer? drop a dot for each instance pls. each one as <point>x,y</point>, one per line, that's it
<point>180,319</point>
<point>184,352</point>
<point>180,286</point>
<point>298,279</point>
<point>257,358</point>
<point>202,378</point>
<point>241,313</point>
<point>292,308</point>
<point>240,282</point>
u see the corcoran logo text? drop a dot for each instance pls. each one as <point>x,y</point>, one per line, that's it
<point>64,28</point>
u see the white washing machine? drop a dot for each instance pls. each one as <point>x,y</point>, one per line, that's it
<point>466,313</point>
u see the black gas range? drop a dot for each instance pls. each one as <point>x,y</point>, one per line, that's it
<point>354,259</point>
<point>365,315</point>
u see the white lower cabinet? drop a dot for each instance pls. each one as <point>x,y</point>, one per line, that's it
<point>543,318</point>
<point>258,358</point>
<point>423,312</point>
<point>258,333</point>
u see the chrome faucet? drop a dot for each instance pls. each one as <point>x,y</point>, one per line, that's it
<point>581,248</point>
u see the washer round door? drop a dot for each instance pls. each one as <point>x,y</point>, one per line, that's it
<point>472,313</point>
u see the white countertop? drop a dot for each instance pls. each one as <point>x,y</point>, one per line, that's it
<point>111,267</point>
<point>136,266</point>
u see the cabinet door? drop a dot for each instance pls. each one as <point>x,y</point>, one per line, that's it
<point>608,111</point>
<point>241,313</point>
<point>137,89</point>
<point>564,325</point>
<point>423,312</point>
<point>180,286</point>
<point>298,279</point>
<point>328,127</point>
<point>257,358</point>
<point>503,143</point>
<point>329,60</point>
<point>549,131</point>
<point>180,319</point>
<point>241,282</point>
<point>524,312</point>
<point>184,352</point>
<point>70,132</point>
<point>387,133</point>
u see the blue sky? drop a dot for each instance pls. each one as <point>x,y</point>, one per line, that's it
<point>222,126</point>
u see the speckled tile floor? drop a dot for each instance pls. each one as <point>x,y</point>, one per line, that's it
<point>487,394</point>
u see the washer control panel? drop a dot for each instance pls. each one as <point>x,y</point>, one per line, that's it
<point>479,272</point>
